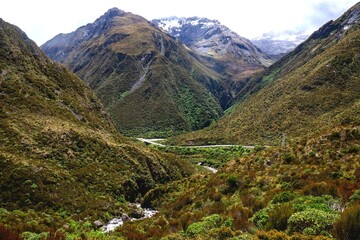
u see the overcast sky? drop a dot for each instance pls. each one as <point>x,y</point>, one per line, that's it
<point>43,19</point>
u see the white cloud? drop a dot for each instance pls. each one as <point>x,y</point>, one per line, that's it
<point>43,19</point>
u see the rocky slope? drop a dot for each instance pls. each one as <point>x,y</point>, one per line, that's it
<point>314,87</point>
<point>148,82</point>
<point>278,44</point>
<point>59,152</point>
<point>219,47</point>
<point>210,37</point>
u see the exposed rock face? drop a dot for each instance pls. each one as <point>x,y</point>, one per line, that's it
<point>277,45</point>
<point>210,37</point>
<point>235,58</point>
<point>61,45</point>
<point>315,87</point>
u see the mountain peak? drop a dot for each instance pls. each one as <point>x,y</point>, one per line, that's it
<point>109,15</point>
<point>210,38</point>
<point>113,12</point>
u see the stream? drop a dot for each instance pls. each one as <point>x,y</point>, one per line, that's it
<point>117,222</point>
<point>213,170</point>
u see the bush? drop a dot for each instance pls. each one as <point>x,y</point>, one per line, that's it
<point>283,197</point>
<point>355,197</point>
<point>312,222</point>
<point>232,181</point>
<point>208,223</point>
<point>347,226</point>
<point>319,189</point>
<point>240,216</point>
<point>278,217</point>
<point>221,233</point>
<point>6,234</point>
<point>272,235</point>
<point>289,158</point>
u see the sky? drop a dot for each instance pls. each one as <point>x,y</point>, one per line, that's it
<point>41,20</point>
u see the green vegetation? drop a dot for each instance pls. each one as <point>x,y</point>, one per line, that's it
<point>314,88</point>
<point>213,157</point>
<point>261,196</point>
<point>347,226</point>
<point>62,161</point>
<point>65,170</point>
<point>174,92</point>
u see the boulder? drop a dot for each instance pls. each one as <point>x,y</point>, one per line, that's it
<point>98,223</point>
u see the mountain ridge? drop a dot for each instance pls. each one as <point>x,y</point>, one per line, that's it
<point>312,88</point>
<point>59,151</point>
<point>125,62</point>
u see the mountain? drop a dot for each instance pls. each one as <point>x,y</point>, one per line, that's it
<point>220,48</point>
<point>148,82</point>
<point>314,87</point>
<point>60,155</point>
<point>278,44</point>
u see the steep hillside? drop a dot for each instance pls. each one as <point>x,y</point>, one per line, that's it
<point>216,46</point>
<point>59,152</point>
<point>147,81</point>
<point>211,38</point>
<point>314,87</point>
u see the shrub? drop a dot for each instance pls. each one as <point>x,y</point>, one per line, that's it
<point>355,197</point>
<point>325,203</point>
<point>278,217</point>
<point>283,197</point>
<point>240,216</point>
<point>232,181</point>
<point>288,158</point>
<point>6,234</point>
<point>261,217</point>
<point>221,233</point>
<point>312,222</point>
<point>347,226</point>
<point>208,223</point>
<point>319,189</point>
<point>272,235</point>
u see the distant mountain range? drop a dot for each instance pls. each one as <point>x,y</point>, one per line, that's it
<point>151,83</point>
<point>210,38</point>
<point>278,44</point>
<point>313,88</point>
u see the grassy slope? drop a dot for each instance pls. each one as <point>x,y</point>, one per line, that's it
<point>178,93</point>
<point>253,197</point>
<point>58,149</point>
<point>301,95</point>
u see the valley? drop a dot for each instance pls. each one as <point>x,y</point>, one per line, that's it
<point>179,128</point>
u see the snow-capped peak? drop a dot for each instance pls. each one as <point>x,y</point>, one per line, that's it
<point>173,24</point>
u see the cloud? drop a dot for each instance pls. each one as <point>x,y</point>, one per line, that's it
<point>43,19</point>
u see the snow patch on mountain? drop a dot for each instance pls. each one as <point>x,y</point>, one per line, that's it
<point>211,38</point>
<point>279,43</point>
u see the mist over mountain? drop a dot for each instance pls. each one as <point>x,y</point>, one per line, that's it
<point>278,44</point>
